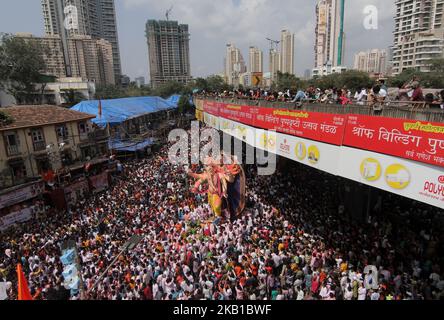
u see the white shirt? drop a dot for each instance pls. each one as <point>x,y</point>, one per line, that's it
<point>382,93</point>
<point>324,293</point>
<point>375,296</point>
<point>362,292</point>
<point>300,295</point>
<point>4,287</point>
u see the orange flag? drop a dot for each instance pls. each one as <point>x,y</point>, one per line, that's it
<point>23,289</point>
<point>100,108</point>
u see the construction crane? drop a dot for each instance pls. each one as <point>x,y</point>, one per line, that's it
<point>168,13</point>
<point>273,43</point>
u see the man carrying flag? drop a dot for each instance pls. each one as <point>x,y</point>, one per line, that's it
<point>23,289</point>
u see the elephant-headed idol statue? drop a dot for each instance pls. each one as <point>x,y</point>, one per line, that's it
<point>223,180</point>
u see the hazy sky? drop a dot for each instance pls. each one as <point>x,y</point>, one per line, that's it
<point>214,23</point>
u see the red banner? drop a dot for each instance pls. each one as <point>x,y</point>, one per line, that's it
<point>211,107</point>
<point>409,139</point>
<point>323,127</point>
<point>242,114</point>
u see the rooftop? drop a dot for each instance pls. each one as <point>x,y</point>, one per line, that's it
<point>40,115</point>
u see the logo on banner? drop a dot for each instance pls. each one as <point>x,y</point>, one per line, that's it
<point>314,154</point>
<point>397,176</point>
<point>441,179</point>
<point>268,141</point>
<point>301,151</point>
<point>371,169</point>
<point>242,133</point>
<point>285,147</point>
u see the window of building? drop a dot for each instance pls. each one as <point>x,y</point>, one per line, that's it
<point>12,143</point>
<point>38,140</point>
<point>43,165</point>
<point>83,127</point>
<point>62,133</point>
<point>18,171</point>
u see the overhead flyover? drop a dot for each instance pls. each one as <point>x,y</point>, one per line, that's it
<point>403,155</point>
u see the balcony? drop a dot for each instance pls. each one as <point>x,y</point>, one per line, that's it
<point>13,151</point>
<point>39,146</point>
<point>98,135</point>
<point>84,136</point>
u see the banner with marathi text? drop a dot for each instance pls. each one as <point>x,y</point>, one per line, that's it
<point>408,139</point>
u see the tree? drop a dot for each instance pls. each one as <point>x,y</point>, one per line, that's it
<point>214,83</point>
<point>437,66</point>
<point>184,104</point>
<point>432,79</point>
<point>21,66</point>
<point>109,92</point>
<point>5,119</point>
<point>402,78</point>
<point>200,84</point>
<point>169,88</point>
<point>354,80</point>
<point>72,97</point>
<point>288,81</point>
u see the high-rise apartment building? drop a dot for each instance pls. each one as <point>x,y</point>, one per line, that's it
<point>287,52</point>
<point>140,81</point>
<point>94,18</point>
<point>274,64</point>
<point>90,59</point>
<point>419,34</point>
<point>256,61</point>
<point>169,51</point>
<point>234,65</point>
<point>330,37</point>
<point>372,61</point>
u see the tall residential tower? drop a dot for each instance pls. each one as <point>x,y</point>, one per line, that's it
<point>330,37</point>
<point>234,65</point>
<point>169,52</point>
<point>372,61</point>
<point>94,18</point>
<point>287,52</point>
<point>419,34</point>
<point>256,61</point>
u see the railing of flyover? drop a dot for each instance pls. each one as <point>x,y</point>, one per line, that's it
<point>391,109</point>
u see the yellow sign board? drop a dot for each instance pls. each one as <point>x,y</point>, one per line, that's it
<point>256,79</point>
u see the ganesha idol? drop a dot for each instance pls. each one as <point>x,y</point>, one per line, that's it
<point>223,180</point>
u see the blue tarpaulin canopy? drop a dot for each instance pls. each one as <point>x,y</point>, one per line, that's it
<point>116,111</point>
<point>130,146</point>
<point>174,99</point>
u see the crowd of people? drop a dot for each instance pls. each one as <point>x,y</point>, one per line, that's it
<point>411,92</point>
<point>293,242</point>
